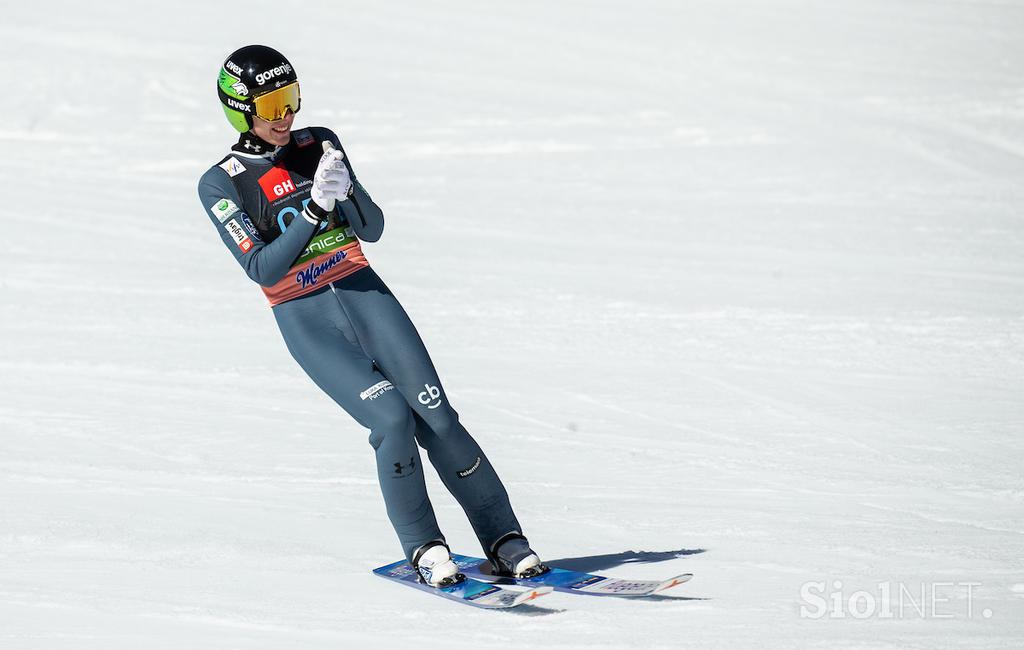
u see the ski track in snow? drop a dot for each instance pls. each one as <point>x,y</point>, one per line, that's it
<point>723,288</point>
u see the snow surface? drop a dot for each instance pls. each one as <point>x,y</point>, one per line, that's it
<point>738,284</point>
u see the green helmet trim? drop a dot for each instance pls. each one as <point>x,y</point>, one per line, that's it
<point>231,86</point>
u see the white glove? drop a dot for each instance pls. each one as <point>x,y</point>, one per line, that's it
<point>331,183</point>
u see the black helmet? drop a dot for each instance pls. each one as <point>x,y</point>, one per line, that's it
<point>250,73</point>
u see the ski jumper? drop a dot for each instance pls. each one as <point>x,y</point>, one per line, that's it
<point>349,333</point>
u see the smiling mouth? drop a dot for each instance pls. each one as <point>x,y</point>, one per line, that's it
<point>281,129</point>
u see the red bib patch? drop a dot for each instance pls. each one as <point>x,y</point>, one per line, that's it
<point>277,183</point>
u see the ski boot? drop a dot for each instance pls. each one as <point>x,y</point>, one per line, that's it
<point>434,564</point>
<point>512,557</point>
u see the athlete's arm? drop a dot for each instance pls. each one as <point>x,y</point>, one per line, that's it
<point>263,263</point>
<point>365,216</point>
<point>332,137</point>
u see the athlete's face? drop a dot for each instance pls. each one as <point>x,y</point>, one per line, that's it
<point>276,133</point>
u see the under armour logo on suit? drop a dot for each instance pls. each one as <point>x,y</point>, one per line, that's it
<point>400,468</point>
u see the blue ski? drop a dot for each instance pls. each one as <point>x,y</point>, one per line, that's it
<point>573,582</point>
<point>469,591</point>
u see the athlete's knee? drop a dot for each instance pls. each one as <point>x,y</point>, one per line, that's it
<point>391,423</point>
<point>444,424</point>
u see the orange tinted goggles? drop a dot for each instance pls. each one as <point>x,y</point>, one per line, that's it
<point>274,105</point>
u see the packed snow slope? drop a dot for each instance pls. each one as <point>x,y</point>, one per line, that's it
<point>736,284</point>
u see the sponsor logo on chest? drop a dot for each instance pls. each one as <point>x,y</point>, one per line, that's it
<point>309,276</point>
<point>232,166</point>
<point>277,183</point>
<point>303,138</point>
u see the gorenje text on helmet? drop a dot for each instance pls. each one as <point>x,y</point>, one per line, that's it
<point>263,77</point>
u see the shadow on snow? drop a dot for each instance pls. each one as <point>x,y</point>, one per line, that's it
<point>598,563</point>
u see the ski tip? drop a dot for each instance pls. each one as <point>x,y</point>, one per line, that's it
<point>672,582</point>
<point>531,594</point>
<point>384,571</point>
